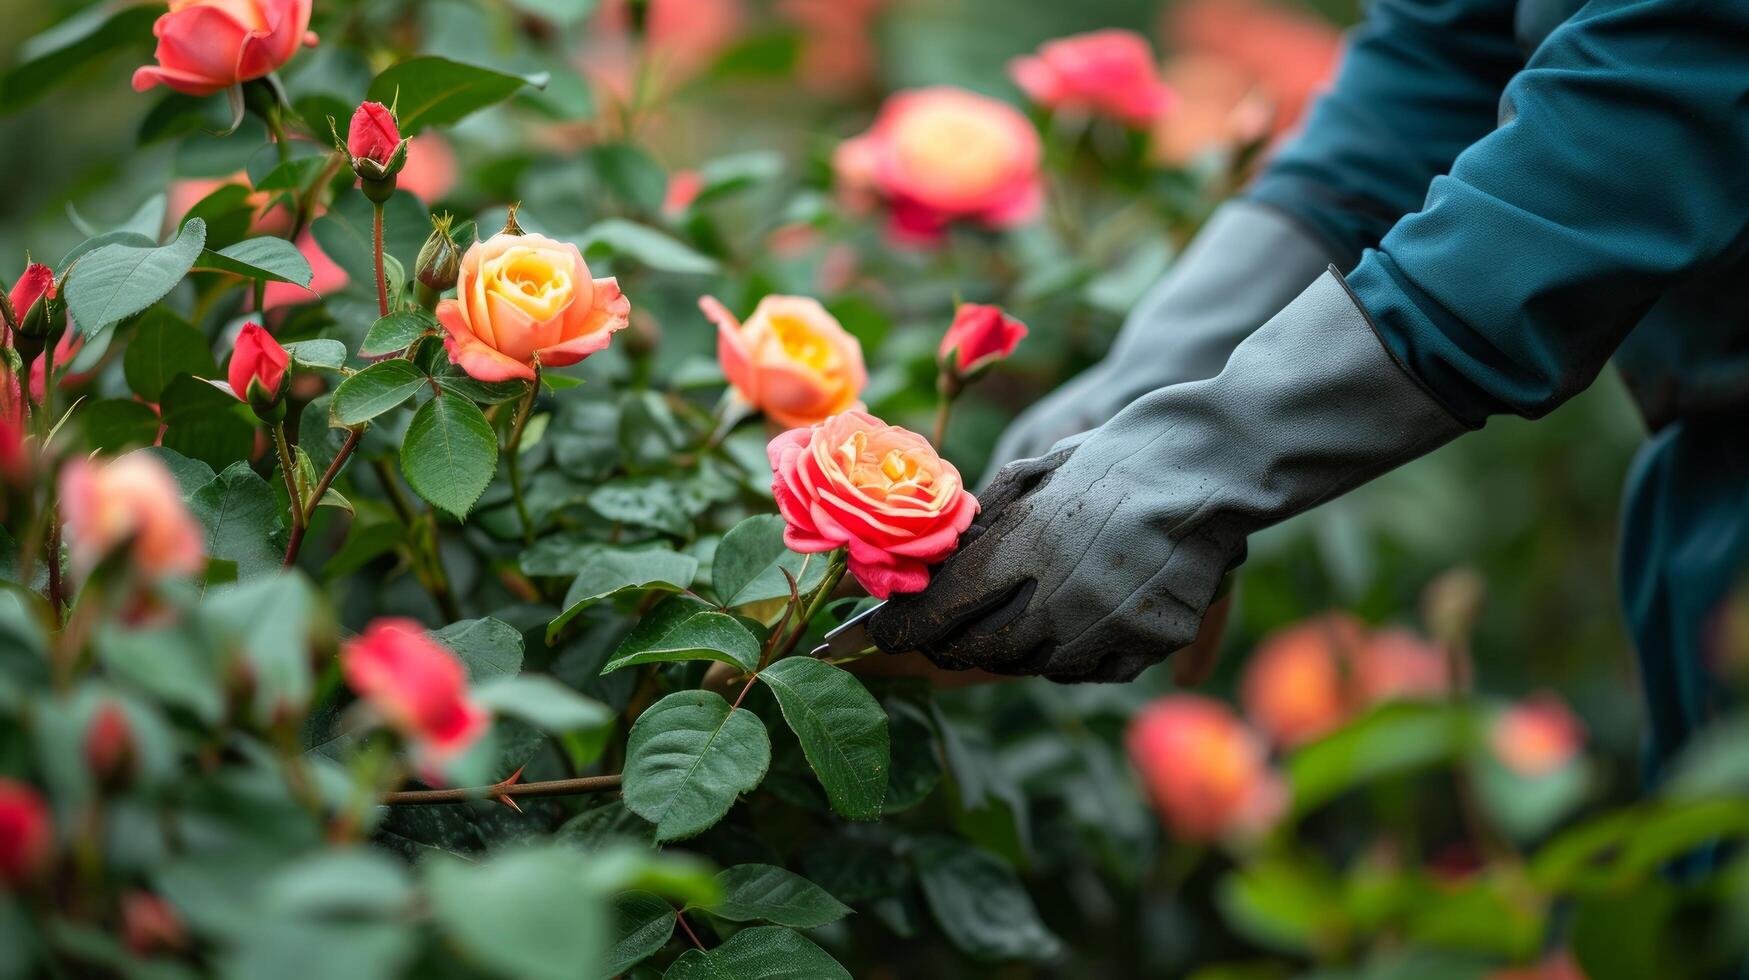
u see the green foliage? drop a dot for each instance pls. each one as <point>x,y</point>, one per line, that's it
<point>118,280</point>
<point>449,454</point>
<point>842,729</point>
<point>688,757</point>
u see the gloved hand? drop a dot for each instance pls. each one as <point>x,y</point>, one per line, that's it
<point>1247,263</point>
<point>1100,558</point>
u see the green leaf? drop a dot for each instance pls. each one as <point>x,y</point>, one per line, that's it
<point>688,757</point>
<point>842,729</point>
<point>267,259</point>
<point>610,571</point>
<point>163,346</point>
<point>434,91</point>
<point>980,904</point>
<point>768,893</point>
<point>520,914</point>
<point>489,647</point>
<point>205,423</point>
<point>619,238</point>
<point>642,501</point>
<point>272,620</point>
<point>544,703</point>
<point>453,379</point>
<point>396,332</point>
<point>292,175</point>
<point>759,953</point>
<point>345,234</point>
<point>1626,936</point>
<point>450,454</point>
<point>750,563</point>
<point>683,628</point>
<point>242,520</point>
<point>373,391</point>
<point>228,211</point>
<point>52,57</point>
<point>117,424</point>
<point>643,924</point>
<point>630,173</point>
<point>726,175</point>
<point>119,280</point>
<point>325,354</point>
<point>1394,739</point>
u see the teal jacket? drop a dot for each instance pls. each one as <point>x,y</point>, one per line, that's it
<point>1525,188</point>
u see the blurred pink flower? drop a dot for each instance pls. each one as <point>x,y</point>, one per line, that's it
<point>1108,73</point>
<point>1205,770</point>
<point>1291,55</point>
<point>681,38</point>
<point>417,685</point>
<point>326,279</point>
<point>1310,678</point>
<point>131,502</point>
<point>683,188</point>
<point>1537,736</point>
<point>431,170</point>
<point>27,833</point>
<point>943,154</point>
<point>1220,106</point>
<point>838,52</point>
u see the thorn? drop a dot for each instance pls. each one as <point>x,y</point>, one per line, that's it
<point>508,801</point>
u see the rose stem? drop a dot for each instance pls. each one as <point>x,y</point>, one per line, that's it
<point>834,574</point>
<point>551,787</point>
<point>377,247</point>
<point>680,917</point>
<point>46,421</point>
<point>947,387</point>
<point>322,485</point>
<point>514,450</point>
<point>287,465</point>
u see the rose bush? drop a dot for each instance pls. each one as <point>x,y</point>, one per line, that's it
<point>400,577</point>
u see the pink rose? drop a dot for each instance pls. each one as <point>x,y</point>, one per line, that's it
<point>27,837</point>
<point>791,359</point>
<point>417,685</point>
<point>205,46</point>
<point>979,336</point>
<point>527,299</point>
<point>1205,770</point>
<point>937,155</point>
<point>130,502</point>
<point>1108,73</point>
<point>856,482</point>
<point>1538,736</point>
<point>257,360</point>
<point>1312,678</point>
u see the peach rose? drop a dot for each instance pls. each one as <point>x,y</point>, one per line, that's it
<point>524,300</point>
<point>1537,736</point>
<point>205,46</point>
<point>1205,770</point>
<point>938,155</point>
<point>130,502</point>
<point>417,685</point>
<point>1311,678</point>
<point>1107,73</point>
<point>856,482</point>
<point>791,359</point>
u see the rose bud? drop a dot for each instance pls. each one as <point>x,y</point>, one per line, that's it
<point>1207,772</point>
<point>1538,736</point>
<point>856,482</point>
<point>376,149</point>
<point>206,46</point>
<point>979,337</point>
<point>27,835</point>
<point>109,745</point>
<point>134,503</point>
<point>791,359</point>
<point>35,282</point>
<point>524,301</point>
<point>939,155</point>
<point>40,315</point>
<point>417,685</point>
<point>440,259</point>
<point>1108,73</point>
<point>258,372</point>
<point>149,924</point>
<point>16,462</point>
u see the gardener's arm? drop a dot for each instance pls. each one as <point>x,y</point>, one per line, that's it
<point>1419,82</point>
<point>1620,175</point>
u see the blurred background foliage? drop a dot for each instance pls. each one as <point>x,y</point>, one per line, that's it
<point>1530,507</point>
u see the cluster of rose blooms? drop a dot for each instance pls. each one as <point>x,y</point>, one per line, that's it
<point>1209,772</point>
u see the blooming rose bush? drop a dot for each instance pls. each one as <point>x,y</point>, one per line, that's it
<point>400,577</point>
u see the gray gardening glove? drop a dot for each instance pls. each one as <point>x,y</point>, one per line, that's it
<point>1100,558</point>
<point>1247,263</point>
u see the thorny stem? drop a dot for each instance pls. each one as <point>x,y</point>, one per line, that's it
<point>834,574</point>
<point>680,917</point>
<point>550,787</point>
<point>288,466</point>
<point>513,449</point>
<point>321,488</point>
<point>427,560</point>
<point>377,247</point>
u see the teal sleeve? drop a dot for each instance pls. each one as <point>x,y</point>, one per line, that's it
<point>1420,81</point>
<point>1623,172</point>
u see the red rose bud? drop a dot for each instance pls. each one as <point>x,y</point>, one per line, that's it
<point>16,464</point>
<point>979,337</point>
<point>418,686</point>
<point>377,151</point>
<point>27,836</point>
<point>109,745</point>
<point>258,372</point>
<point>150,924</point>
<point>37,281</point>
